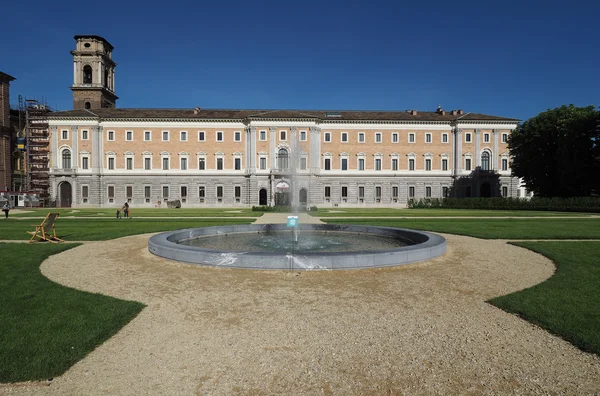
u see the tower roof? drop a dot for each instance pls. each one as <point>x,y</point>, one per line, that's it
<point>93,36</point>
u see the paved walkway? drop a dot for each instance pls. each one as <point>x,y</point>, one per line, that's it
<point>281,218</point>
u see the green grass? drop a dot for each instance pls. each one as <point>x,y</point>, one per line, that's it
<point>567,304</point>
<point>89,229</point>
<point>136,212</point>
<point>45,327</point>
<point>543,228</point>
<point>401,212</point>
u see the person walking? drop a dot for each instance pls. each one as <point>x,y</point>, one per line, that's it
<point>118,213</point>
<point>6,209</point>
<point>126,210</point>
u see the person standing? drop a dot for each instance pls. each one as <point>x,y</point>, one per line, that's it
<point>126,210</point>
<point>118,213</point>
<point>6,209</point>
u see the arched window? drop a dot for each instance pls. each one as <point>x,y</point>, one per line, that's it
<point>66,159</point>
<point>302,196</point>
<point>88,105</point>
<point>485,161</point>
<point>106,78</point>
<point>282,159</point>
<point>87,74</point>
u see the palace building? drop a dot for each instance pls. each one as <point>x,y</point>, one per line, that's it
<point>102,155</point>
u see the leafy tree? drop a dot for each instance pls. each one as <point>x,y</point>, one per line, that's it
<point>557,152</point>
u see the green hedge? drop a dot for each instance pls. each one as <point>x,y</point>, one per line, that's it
<point>281,208</point>
<point>574,204</point>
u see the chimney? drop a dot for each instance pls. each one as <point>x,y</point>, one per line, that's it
<point>454,112</point>
<point>413,112</point>
<point>197,110</point>
<point>440,110</point>
<point>460,112</point>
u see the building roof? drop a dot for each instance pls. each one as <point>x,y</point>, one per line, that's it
<point>93,36</point>
<point>233,115</point>
<point>4,76</point>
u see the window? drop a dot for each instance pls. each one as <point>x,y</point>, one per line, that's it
<point>485,161</point>
<point>237,136</point>
<point>219,163</point>
<point>129,136</point>
<point>237,193</point>
<point>327,164</point>
<point>147,163</point>
<point>147,136</point>
<point>361,164</point>
<point>394,164</point>
<point>85,193</point>
<point>282,159</point>
<point>327,192</point>
<point>504,164</point>
<point>486,137</point>
<point>111,193</point>
<point>147,193</point>
<point>377,164</point>
<point>111,136</point>
<point>263,163</point>
<point>111,163</point>
<point>395,137</point>
<point>201,193</point>
<point>361,137</point>
<point>201,163</point>
<point>183,136</point>
<point>237,163</point>
<point>262,135</point>
<point>344,193</point>
<point>303,163</point>
<point>377,194</point>
<point>411,192</point>
<point>411,138</point>
<point>361,194</point>
<point>395,193</point>
<point>427,164</point>
<point>468,137</point>
<point>85,163</point>
<point>445,192</point>
<point>66,159</point>
<point>344,137</point>
<point>165,192</point>
<point>183,163</point>
<point>64,134</point>
<point>504,191</point>
<point>165,136</point>
<point>165,163</point>
<point>303,136</point>
<point>201,136</point>
<point>129,163</point>
<point>444,164</point>
<point>327,137</point>
<point>129,193</point>
<point>411,164</point>
<point>468,164</point>
<point>444,138</point>
<point>282,135</point>
<point>428,138</point>
<point>219,193</point>
<point>427,192</point>
<point>183,193</point>
<point>84,134</point>
<point>219,136</point>
<point>344,164</point>
<point>378,137</point>
<point>87,73</point>
<point>505,138</point>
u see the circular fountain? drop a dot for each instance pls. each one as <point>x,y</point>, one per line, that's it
<point>318,246</point>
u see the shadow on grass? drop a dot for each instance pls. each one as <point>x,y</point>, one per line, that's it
<point>45,328</point>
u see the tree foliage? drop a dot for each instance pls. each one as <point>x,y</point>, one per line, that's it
<point>557,152</point>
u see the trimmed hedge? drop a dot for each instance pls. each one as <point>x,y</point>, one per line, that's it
<point>281,208</point>
<point>556,204</point>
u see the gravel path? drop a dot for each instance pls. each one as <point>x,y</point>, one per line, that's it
<point>416,329</point>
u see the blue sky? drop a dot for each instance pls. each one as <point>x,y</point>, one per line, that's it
<point>508,58</point>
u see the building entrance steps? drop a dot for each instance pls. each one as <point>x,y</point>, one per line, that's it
<point>281,218</point>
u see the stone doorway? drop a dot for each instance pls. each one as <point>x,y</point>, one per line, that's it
<point>65,195</point>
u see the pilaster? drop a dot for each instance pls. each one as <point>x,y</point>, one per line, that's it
<point>477,148</point>
<point>273,147</point>
<point>495,154</point>
<point>458,151</point>
<point>315,150</point>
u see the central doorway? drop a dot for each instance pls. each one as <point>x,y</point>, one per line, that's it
<point>65,195</point>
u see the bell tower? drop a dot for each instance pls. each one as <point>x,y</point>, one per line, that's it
<point>93,73</point>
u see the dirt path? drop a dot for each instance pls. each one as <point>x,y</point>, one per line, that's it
<point>416,329</point>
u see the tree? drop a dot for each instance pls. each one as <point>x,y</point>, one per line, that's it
<point>557,152</point>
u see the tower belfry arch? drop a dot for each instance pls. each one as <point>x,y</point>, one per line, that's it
<point>93,73</point>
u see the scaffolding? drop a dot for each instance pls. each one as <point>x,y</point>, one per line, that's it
<point>37,148</point>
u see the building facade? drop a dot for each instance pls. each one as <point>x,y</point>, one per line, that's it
<point>105,156</point>
<point>7,134</point>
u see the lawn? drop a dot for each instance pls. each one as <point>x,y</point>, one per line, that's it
<point>135,212</point>
<point>44,327</point>
<point>567,304</point>
<point>401,212</point>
